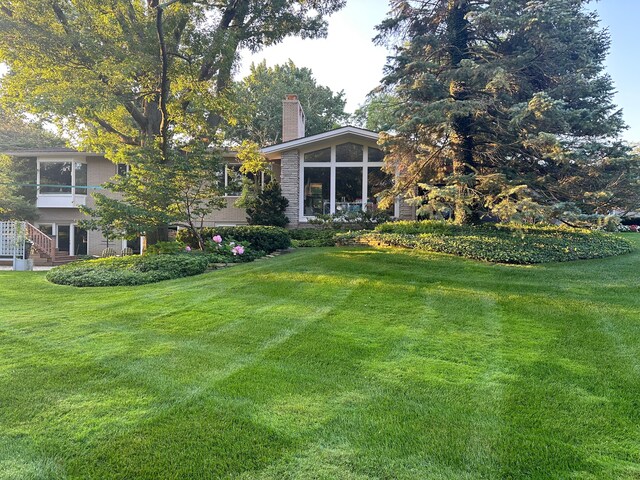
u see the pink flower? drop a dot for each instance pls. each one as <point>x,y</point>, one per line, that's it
<point>217,239</point>
<point>238,250</point>
<point>188,248</point>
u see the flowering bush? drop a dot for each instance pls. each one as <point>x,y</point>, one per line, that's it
<point>629,228</point>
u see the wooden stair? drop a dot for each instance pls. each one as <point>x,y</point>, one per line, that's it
<point>42,260</point>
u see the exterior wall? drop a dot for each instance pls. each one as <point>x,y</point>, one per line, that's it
<point>290,184</point>
<point>406,212</point>
<point>99,171</point>
<point>229,215</point>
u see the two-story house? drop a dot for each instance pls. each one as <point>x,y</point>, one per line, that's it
<point>331,172</point>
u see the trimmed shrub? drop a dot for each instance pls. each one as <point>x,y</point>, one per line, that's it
<point>163,248</point>
<point>265,238</point>
<point>121,271</point>
<point>515,244</point>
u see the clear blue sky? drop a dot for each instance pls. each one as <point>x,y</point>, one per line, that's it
<point>347,60</point>
<point>622,17</point>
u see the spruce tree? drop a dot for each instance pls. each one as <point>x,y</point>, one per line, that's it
<point>504,109</point>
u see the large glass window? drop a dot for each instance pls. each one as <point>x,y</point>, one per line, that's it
<point>377,182</point>
<point>348,189</point>
<point>323,155</point>
<point>81,178</point>
<point>317,190</point>
<point>353,176</point>
<point>375,155</point>
<point>349,152</point>
<point>55,177</point>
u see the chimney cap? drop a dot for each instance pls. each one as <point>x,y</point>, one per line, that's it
<point>291,96</point>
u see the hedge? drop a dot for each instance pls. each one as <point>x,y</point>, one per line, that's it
<point>267,239</point>
<point>497,243</point>
<point>132,270</point>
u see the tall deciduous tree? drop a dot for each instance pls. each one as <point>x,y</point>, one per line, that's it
<point>503,107</point>
<point>260,94</point>
<point>140,80</point>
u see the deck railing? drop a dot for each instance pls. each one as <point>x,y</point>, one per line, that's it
<point>41,241</point>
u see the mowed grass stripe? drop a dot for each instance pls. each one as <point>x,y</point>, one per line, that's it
<point>327,363</point>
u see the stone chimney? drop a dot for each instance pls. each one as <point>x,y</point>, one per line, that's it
<point>292,118</point>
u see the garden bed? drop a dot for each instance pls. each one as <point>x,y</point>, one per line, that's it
<point>515,244</point>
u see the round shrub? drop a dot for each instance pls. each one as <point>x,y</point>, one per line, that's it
<point>121,271</point>
<point>265,238</point>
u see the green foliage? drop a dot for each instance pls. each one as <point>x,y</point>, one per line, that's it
<point>133,270</point>
<point>313,237</point>
<point>265,238</point>
<point>496,243</point>
<point>260,94</point>
<point>19,134</point>
<point>378,112</point>
<point>503,108</point>
<point>181,191</point>
<point>164,248</point>
<point>13,204</point>
<point>268,207</point>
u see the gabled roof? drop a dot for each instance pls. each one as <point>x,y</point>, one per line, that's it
<point>321,137</point>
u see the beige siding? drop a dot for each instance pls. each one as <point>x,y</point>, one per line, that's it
<point>229,215</point>
<point>99,171</point>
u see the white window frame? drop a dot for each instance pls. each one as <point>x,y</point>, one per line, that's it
<point>72,188</point>
<point>333,165</point>
<point>226,178</point>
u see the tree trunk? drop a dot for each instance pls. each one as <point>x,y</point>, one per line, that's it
<point>462,144</point>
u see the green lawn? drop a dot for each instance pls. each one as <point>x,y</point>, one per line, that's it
<point>327,363</point>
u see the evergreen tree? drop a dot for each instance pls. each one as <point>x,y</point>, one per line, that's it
<point>268,207</point>
<point>503,108</point>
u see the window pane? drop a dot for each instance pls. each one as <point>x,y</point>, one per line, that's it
<point>234,181</point>
<point>123,169</point>
<point>317,188</point>
<point>349,152</point>
<point>323,155</point>
<point>81,178</point>
<point>348,189</point>
<point>377,182</point>
<point>375,155</point>
<point>55,177</point>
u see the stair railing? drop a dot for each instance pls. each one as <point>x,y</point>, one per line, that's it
<point>41,241</point>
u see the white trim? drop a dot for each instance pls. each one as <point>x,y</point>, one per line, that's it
<point>330,135</point>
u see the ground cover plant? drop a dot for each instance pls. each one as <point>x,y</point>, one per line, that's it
<point>347,363</point>
<point>518,244</point>
<point>131,270</point>
<point>313,237</point>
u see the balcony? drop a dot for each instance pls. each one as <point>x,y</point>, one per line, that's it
<point>60,200</point>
